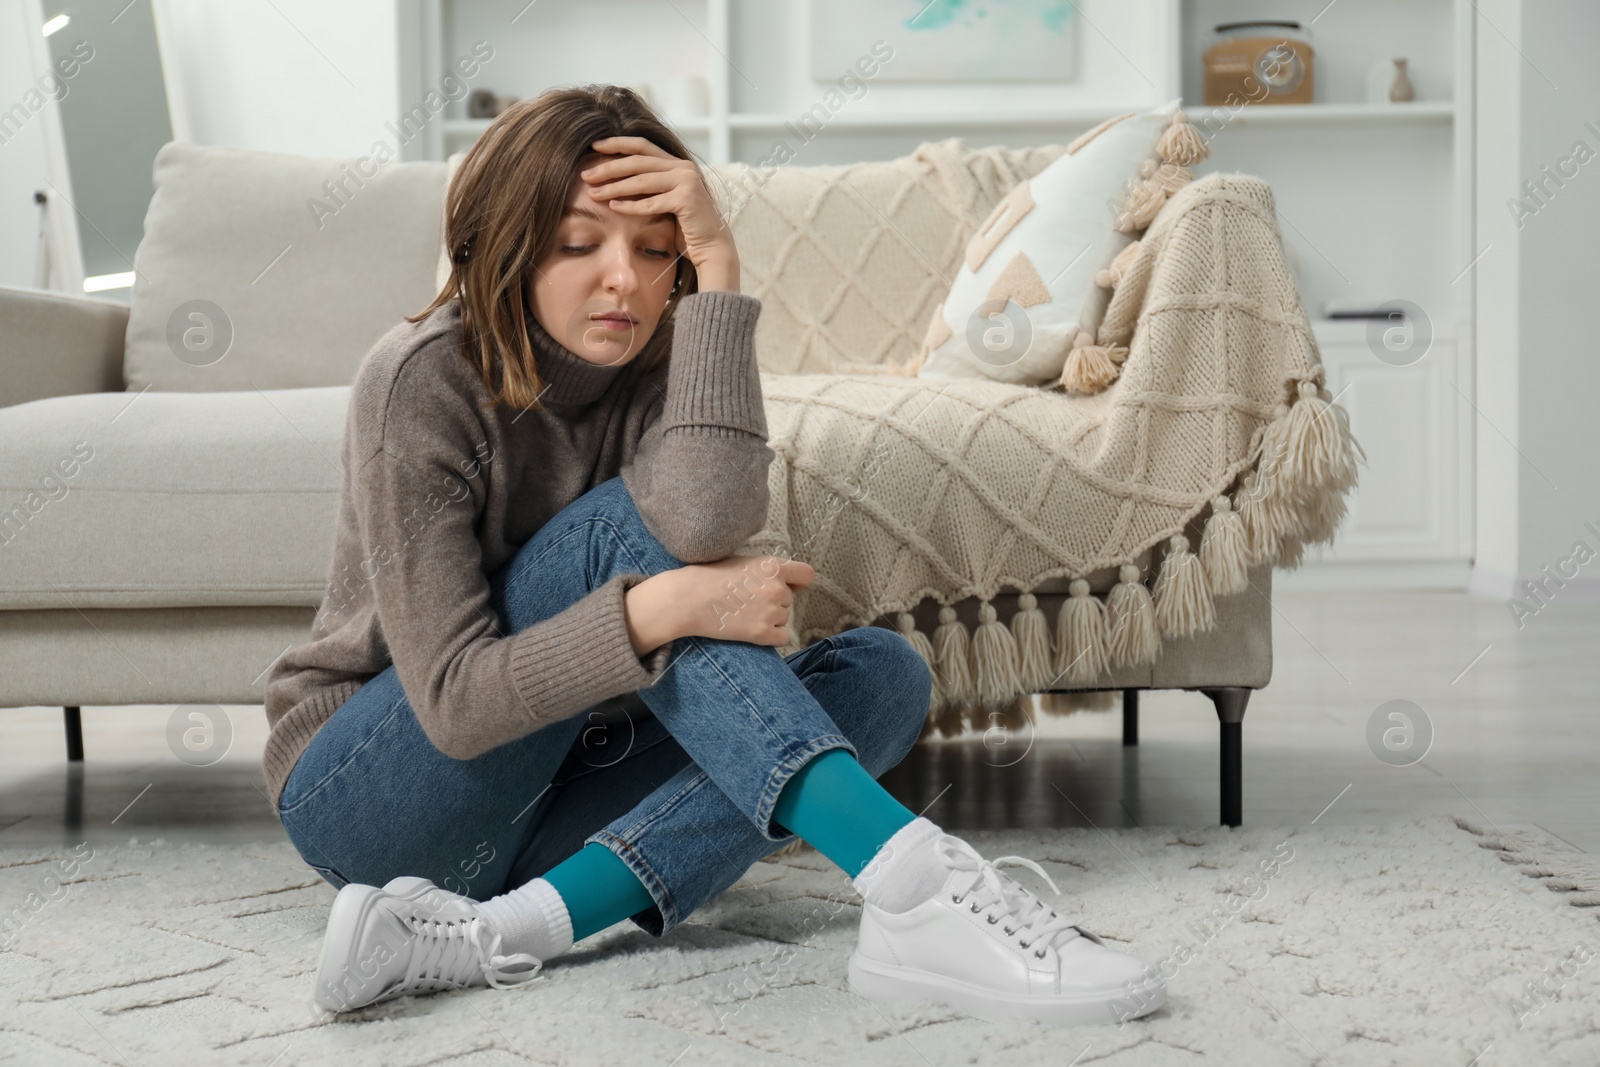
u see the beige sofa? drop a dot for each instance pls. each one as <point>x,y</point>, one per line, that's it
<point>169,470</point>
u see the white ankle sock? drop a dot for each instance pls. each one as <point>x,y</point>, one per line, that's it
<point>905,871</point>
<point>531,918</point>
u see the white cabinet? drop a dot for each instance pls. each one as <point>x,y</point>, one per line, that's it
<point>1406,518</point>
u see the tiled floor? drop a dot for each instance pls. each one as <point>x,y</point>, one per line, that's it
<point>1515,741</point>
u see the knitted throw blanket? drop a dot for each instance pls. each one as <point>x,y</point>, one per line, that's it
<point>897,488</point>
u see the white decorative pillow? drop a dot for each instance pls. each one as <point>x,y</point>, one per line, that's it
<point>1036,277</point>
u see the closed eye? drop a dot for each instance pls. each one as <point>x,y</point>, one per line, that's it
<point>580,249</point>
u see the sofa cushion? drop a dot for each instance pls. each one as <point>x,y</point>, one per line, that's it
<point>156,499</point>
<point>849,260</point>
<point>124,500</point>
<point>265,271</point>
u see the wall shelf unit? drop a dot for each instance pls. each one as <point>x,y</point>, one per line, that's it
<point>1321,114</point>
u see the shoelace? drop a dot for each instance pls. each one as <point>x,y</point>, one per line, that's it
<point>1035,920</point>
<point>447,947</point>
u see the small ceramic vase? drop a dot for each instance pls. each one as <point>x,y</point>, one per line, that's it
<point>1400,90</point>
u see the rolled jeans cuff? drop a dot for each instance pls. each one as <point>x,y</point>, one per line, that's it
<point>633,845</point>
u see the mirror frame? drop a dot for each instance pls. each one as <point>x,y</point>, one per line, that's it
<point>63,235</point>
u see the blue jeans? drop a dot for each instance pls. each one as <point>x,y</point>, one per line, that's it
<point>684,797</point>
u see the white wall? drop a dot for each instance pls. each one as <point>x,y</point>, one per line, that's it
<point>1559,483</point>
<point>1496,276</point>
<point>291,76</point>
<point>1538,378</point>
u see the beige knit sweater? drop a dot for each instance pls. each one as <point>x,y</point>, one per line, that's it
<point>440,489</point>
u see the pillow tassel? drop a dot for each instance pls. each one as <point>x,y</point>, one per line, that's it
<point>1131,617</point>
<point>1170,176</point>
<point>1090,368</point>
<point>1181,143</point>
<point>1144,203</point>
<point>1124,260</point>
<point>1108,277</point>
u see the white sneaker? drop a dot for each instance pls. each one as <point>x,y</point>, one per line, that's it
<point>408,938</point>
<point>987,945</point>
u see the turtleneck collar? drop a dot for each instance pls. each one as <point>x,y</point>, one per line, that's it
<point>568,377</point>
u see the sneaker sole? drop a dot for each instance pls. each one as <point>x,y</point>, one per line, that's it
<point>893,984</point>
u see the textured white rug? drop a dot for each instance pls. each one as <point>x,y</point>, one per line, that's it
<point>1433,942</point>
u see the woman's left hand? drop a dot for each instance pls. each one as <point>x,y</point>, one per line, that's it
<point>665,183</point>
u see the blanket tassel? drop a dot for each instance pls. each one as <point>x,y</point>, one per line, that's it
<point>1348,446</point>
<point>1223,551</point>
<point>1032,632</point>
<point>1183,603</point>
<point>1131,618</point>
<point>1291,551</point>
<point>1326,510</point>
<point>994,661</point>
<point>952,663</point>
<point>1015,718</point>
<point>1081,635</point>
<point>907,624</point>
<point>1268,518</point>
<point>1071,701</point>
<point>1317,453</point>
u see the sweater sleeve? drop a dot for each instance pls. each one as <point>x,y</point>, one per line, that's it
<point>473,686</point>
<point>699,473</point>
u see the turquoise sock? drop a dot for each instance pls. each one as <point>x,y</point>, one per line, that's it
<point>832,803</point>
<point>836,806</point>
<point>598,889</point>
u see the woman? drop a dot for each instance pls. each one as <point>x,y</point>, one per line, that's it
<point>542,695</point>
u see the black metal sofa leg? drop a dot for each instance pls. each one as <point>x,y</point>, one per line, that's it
<point>1130,717</point>
<point>74,723</point>
<point>1230,704</point>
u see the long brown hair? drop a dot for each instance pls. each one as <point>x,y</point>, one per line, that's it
<point>503,209</point>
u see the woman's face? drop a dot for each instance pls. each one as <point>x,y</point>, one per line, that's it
<point>604,285</point>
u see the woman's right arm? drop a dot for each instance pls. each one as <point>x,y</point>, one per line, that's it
<point>698,472</point>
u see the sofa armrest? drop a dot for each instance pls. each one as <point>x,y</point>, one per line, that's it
<point>53,344</point>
